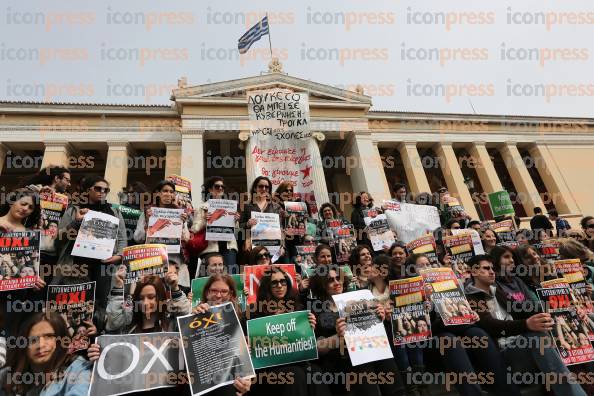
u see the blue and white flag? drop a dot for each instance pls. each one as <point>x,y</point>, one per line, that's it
<point>254,34</point>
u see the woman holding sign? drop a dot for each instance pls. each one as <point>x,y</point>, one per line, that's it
<point>43,358</point>
<point>164,197</point>
<point>20,212</point>
<point>96,189</point>
<point>260,201</point>
<point>220,289</point>
<point>214,188</point>
<point>330,331</point>
<point>277,296</point>
<point>150,309</point>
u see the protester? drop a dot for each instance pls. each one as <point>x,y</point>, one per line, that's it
<point>20,212</point>
<point>330,329</point>
<point>490,240</point>
<point>276,295</point>
<point>534,269</point>
<point>521,333</point>
<point>260,201</point>
<point>400,192</point>
<point>561,225</point>
<point>259,255</point>
<point>134,195</point>
<point>508,283</point>
<point>96,189</point>
<point>214,188</point>
<point>220,289</point>
<point>474,225</point>
<point>539,223</point>
<point>164,196</point>
<point>51,179</point>
<point>587,224</point>
<point>149,309</point>
<point>328,213</point>
<point>44,358</point>
<point>398,255</point>
<point>213,263</point>
<point>323,254</point>
<point>360,261</point>
<point>363,203</point>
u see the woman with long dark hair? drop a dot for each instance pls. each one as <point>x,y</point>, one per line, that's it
<point>330,330</point>
<point>93,197</point>
<point>260,201</point>
<point>363,203</point>
<point>164,197</point>
<point>214,188</point>
<point>43,357</point>
<point>277,295</point>
<point>148,309</point>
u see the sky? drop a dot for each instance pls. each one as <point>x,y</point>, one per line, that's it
<point>483,57</point>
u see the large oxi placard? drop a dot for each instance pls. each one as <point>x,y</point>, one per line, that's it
<point>279,133</point>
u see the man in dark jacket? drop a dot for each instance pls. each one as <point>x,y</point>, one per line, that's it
<point>522,336</point>
<point>540,223</point>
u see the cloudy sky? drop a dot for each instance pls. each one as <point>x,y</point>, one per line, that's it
<point>504,57</point>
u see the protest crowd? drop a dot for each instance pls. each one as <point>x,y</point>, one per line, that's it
<point>283,296</point>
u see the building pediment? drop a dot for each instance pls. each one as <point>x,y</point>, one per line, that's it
<point>233,92</point>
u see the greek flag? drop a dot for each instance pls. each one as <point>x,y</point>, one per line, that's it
<point>254,34</point>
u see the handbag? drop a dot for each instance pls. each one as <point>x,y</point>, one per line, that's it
<point>197,243</point>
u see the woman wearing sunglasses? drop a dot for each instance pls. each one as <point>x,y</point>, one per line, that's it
<point>260,201</point>
<point>260,256</point>
<point>214,188</point>
<point>94,190</point>
<point>276,295</point>
<point>164,197</point>
<point>285,193</point>
<point>330,331</point>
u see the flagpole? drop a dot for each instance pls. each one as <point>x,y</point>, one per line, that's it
<point>269,34</point>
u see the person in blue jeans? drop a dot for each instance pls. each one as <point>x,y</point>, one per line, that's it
<point>522,334</point>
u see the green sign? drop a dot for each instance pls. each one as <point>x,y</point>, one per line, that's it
<point>281,339</point>
<point>130,216</point>
<point>501,204</point>
<point>198,287</point>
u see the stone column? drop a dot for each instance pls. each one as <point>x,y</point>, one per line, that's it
<point>454,178</point>
<point>192,154</point>
<point>551,176</point>
<point>250,171</point>
<point>485,170</point>
<point>522,181</point>
<point>173,158</point>
<point>3,151</point>
<point>116,169</point>
<point>317,172</point>
<point>365,167</point>
<point>415,174</point>
<point>56,153</point>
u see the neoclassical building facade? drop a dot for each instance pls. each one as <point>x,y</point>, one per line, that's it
<point>542,161</point>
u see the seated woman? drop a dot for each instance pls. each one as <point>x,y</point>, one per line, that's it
<point>398,255</point>
<point>361,260</point>
<point>149,309</point>
<point>330,330</point>
<point>277,296</point>
<point>329,217</point>
<point>259,255</point>
<point>220,289</point>
<point>45,359</point>
<point>532,268</point>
